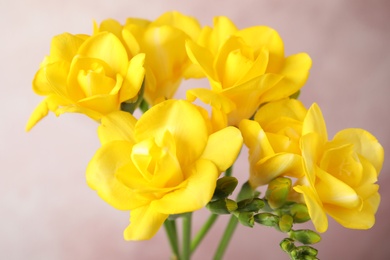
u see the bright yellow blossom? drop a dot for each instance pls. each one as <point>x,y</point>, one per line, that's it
<point>163,42</point>
<point>90,75</point>
<point>246,67</point>
<point>273,139</point>
<point>165,163</point>
<point>340,174</point>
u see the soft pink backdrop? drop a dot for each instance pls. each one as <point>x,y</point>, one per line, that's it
<point>46,209</point>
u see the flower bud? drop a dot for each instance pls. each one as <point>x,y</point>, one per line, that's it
<point>300,213</point>
<point>287,245</point>
<point>285,223</point>
<point>277,192</point>
<point>222,206</point>
<point>225,187</point>
<point>305,236</point>
<point>245,218</point>
<point>297,255</point>
<point>307,250</point>
<point>267,219</point>
<point>250,205</point>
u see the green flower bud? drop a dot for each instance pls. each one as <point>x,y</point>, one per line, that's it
<point>245,218</point>
<point>300,213</point>
<point>250,205</point>
<point>277,192</point>
<point>267,219</point>
<point>225,187</point>
<point>305,236</point>
<point>307,250</point>
<point>285,223</point>
<point>296,254</point>
<point>222,206</point>
<point>287,245</point>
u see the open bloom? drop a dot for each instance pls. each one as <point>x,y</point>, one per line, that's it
<point>273,139</point>
<point>163,42</point>
<point>340,174</point>
<point>246,68</point>
<point>165,163</point>
<point>90,75</point>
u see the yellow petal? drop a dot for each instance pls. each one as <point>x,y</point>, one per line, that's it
<point>131,42</point>
<point>370,175</point>
<point>212,98</point>
<point>315,208</point>
<point>267,169</point>
<point>101,104</point>
<point>218,119</point>
<point>235,60</point>
<point>187,24</point>
<point>157,163</point>
<point>144,223</point>
<point>223,28</point>
<point>285,142</point>
<point>364,144</point>
<point>65,46</point>
<point>255,139</point>
<point>88,77</point>
<point>118,125</point>
<point>72,108</point>
<point>290,108</point>
<point>185,123</point>
<point>222,153</point>
<point>295,71</point>
<point>335,192</point>
<point>214,38</point>
<point>310,146</point>
<point>247,97</point>
<point>108,48</point>
<point>52,79</point>
<point>343,163</point>
<point>101,174</point>
<point>133,80</point>
<point>195,192</point>
<point>109,25</point>
<point>50,103</point>
<point>256,69</point>
<point>356,218</point>
<point>314,123</point>
<point>259,37</point>
<point>203,57</point>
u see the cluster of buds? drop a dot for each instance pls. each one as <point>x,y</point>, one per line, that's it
<point>273,210</point>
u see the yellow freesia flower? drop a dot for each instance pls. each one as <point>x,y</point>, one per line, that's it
<point>273,139</point>
<point>89,75</point>
<point>165,163</point>
<point>163,42</point>
<point>340,174</point>
<point>246,67</point>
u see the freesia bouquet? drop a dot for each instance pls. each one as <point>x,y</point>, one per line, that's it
<point>178,156</point>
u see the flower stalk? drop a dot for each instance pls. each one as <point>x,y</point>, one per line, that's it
<point>186,246</point>
<point>170,228</point>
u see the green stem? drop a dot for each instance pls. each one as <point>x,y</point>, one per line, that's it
<point>170,228</point>
<point>246,192</point>
<point>203,231</point>
<point>227,235</point>
<point>186,247</point>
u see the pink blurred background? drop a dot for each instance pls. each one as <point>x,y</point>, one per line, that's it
<point>46,209</point>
